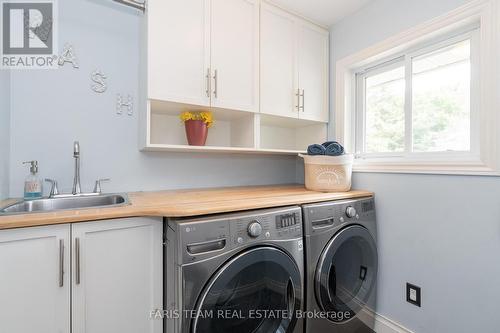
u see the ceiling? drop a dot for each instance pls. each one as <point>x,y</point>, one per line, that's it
<point>326,12</point>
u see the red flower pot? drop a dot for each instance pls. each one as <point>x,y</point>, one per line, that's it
<point>196,132</point>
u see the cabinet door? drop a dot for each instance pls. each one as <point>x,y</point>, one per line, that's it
<point>313,71</point>
<point>34,280</point>
<point>235,54</point>
<point>179,51</point>
<point>278,70</point>
<point>117,279</point>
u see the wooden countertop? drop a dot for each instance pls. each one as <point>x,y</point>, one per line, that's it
<point>184,203</point>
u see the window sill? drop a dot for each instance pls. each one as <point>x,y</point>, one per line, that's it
<point>433,168</point>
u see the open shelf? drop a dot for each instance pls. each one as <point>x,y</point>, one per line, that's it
<point>187,148</point>
<point>232,132</point>
<point>289,134</point>
<point>231,129</point>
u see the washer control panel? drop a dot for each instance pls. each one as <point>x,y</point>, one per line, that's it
<point>275,224</point>
<point>286,220</point>
<point>202,237</point>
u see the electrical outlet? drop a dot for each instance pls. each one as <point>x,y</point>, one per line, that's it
<point>413,294</point>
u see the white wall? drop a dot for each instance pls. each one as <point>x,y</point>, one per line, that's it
<point>4,133</point>
<point>439,232</point>
<point>51,109</point>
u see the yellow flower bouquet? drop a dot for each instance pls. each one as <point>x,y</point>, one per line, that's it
<point>197,125</point>
<point>205,116</point>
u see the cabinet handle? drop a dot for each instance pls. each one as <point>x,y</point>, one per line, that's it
<point>61,263</point>
<point>303,99</point>
<point>298,99</point>
<point>208,82</point>
<point>215,81</point>
<point>77,260</point>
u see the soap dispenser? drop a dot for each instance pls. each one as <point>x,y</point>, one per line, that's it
<point>32,184</point>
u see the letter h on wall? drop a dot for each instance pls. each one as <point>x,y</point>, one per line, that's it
<point>127,103</point>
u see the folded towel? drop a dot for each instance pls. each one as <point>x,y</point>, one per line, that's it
<point>316,150</point>
<point>333,148</point>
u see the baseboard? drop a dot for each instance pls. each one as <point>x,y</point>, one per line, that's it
<point>383,324</point>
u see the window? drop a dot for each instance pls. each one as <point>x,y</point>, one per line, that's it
<point>426,99</point>
<point>419,102</point>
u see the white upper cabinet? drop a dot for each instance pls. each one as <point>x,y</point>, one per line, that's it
<point>235,54</point>
<point>204,52</point>
<point>117,276</point>
<point>178,51</point>
<point>294,66</point>
<point>313,72</point>
<point>261,70</point>
<point>34,280</point>
<point>278,70</point>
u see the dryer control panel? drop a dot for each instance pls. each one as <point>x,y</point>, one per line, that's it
<point>323,216</point>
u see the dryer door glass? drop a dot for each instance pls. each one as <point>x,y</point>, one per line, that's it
<point>346,273</point>
<point>257,291</point>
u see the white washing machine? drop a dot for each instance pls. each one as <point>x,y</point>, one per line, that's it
<point>235,273</point>
<point>341,266</point>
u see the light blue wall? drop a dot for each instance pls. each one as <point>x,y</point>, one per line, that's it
<point>50,109</point>
<point>4,133</point>
<point>439,232</point>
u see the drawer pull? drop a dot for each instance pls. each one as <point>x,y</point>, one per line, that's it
<point>197,248</point>
<point>322,223</point>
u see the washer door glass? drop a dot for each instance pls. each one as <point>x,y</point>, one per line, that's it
<point>257,291</point>
<point>346,273</point>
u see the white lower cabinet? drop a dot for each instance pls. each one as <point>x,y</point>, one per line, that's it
<point>117,276</point>
<point>115,281</point>
<point>34,280</point>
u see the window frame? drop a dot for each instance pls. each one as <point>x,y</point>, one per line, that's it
<point>485,101</point>
<point>405,60</point>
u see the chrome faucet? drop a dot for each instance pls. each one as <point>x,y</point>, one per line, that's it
<point>77,190</point>
<point>76,180</point>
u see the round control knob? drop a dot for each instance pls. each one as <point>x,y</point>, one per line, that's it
<point>350,211</point>
<point>254,229</point>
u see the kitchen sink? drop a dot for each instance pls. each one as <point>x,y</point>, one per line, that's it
<point>65,203</point>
